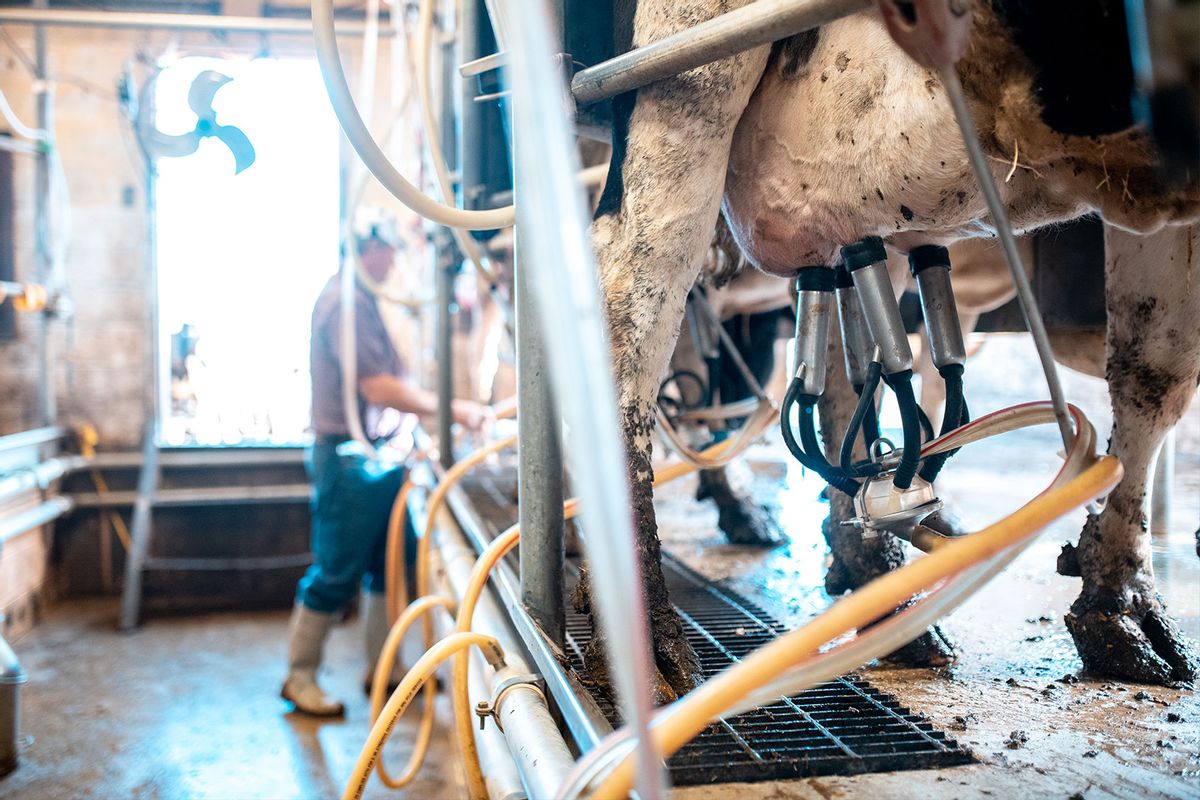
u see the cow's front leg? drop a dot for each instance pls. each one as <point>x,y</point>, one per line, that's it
<point>652,228</point>
<point>1119,623</point>
<point>857,557</point>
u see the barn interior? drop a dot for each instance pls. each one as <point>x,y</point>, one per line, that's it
<point>218,218</point>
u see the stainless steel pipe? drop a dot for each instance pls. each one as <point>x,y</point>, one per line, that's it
<point>542,757</point>
<point>539,467</point>
<point>70,18</point>
<point>754,24</point>
<point>39,476</point>
<point>40,514</point>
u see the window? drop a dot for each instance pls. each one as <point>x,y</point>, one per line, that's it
<point>242,258</point>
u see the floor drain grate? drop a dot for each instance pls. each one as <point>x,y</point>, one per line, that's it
<point>842,727</point>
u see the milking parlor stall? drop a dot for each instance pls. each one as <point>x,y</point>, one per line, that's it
<point>564,399</point>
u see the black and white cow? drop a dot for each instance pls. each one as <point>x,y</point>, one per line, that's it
<point>836,135</point>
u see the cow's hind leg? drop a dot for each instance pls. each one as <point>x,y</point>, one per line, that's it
<point>1119,622</point>
<point>652,228</point>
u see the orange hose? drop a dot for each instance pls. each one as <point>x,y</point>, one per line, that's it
<point>379,682</point>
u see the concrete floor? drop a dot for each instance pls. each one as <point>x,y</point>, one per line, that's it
<point>187,707</point>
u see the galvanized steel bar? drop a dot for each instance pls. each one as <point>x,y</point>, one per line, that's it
<point>540,467</point>
<point>755,24</point>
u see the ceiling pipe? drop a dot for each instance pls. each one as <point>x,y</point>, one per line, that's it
<point>212,23</point>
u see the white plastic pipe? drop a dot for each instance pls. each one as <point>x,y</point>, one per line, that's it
<point>368,149</point>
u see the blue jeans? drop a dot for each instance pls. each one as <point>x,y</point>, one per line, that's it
<point>352,500</point>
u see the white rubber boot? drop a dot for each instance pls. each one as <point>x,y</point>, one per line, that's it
<point>307,631</point>
<point>375,630</point>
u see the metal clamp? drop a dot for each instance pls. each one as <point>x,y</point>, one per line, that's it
<point>484,709</point>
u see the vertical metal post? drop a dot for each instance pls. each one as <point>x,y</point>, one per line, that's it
<point>47,409</point>
<point>445,348</point>
<point>539,468</point>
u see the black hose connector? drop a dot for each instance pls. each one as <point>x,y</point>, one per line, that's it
<point>910,457</point>
<point>926,256</point>
<point>864,253</point>
<point>955,416</point>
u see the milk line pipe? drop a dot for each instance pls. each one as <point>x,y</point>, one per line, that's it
<point>488,560</point>
<point>1012,256</point>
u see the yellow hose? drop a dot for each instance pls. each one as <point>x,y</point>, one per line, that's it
<point>383,669</point>
<point>396,574</point>
<point>677,724</point>
<point>403,697</point>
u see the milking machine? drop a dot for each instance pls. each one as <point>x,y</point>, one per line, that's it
<point>892,488</point>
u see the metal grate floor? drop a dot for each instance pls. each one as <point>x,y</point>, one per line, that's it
<point>842,727</point>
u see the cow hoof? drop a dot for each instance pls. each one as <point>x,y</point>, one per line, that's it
<point>677,662</point>
<point>746,523</point>
<point>931,649</point>
<point>1143,645</point>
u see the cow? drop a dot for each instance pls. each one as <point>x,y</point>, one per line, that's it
<point>835,135</point>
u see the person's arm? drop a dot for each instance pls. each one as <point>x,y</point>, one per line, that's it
<point>392,392</point>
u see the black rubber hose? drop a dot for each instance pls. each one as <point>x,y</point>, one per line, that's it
<point>955,416</point>
<point>870,427</point>
<point>910,458</point>
<point>927,434</point>
<point>814,460</point>
<point>866,404</point>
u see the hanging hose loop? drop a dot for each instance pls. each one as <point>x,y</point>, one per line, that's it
<point>910,457</point>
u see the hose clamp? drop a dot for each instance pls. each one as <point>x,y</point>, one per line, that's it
<point>525,681</point>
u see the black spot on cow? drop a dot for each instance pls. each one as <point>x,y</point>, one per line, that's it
<point>1079,51</point>
<point>842,61</point>
<point>906,212</point>
<point>879,192</point>
<point>791,55</point>
<point>962,196</point>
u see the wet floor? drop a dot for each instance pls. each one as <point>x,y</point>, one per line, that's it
<point>187,707</point>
